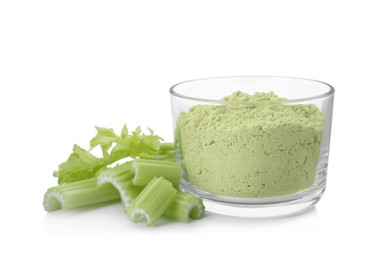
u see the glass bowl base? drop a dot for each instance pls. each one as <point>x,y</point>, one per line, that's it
<point>253,211</point>
<point>258,208</point>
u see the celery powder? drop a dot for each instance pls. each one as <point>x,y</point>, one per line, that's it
<point>251,146</point>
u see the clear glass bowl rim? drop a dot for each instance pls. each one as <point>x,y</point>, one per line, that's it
<point>173,92</point>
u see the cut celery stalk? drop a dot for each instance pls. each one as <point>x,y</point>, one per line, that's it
<point>78,194</point>
<point>185,206</point>
<point>168,156</point>
<point>121,178</point>
<point>166,153</point>
<point>152,202</point>
<point>145,170</point>
<point>166,147</point>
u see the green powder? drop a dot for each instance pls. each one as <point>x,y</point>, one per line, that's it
<point>251,146</point>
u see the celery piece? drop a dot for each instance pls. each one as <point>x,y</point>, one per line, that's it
<point>78,194</point>
<point>185,206</point>
<point>166,147</point>
<point>166,153</point>
<point>145,170</point>
<point>121,178</point>
<point>168,156</point>
<point>152,202</point>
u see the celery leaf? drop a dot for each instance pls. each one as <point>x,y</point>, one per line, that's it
<point>81,164</point>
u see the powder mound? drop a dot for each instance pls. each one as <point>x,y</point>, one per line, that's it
<point>258,97</point>
<point>251,145</point>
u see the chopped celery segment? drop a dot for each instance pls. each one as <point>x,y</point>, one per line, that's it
<point>145,170</point>
<point>78,194</point>
<point>185,206</point>
<point>166,153</point>
<point>166,147</point>
<point>152,202</point>
<point>168,156</point>
<point>121,178</point>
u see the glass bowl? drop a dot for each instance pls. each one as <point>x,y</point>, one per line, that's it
<point>253,155</point>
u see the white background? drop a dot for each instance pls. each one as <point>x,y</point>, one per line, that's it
<point>66,66</point>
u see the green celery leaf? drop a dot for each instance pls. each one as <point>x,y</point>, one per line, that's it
<point>124,132</point>
<point>104,138</point>
<point>80,165</point>
<point>138,145</point>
